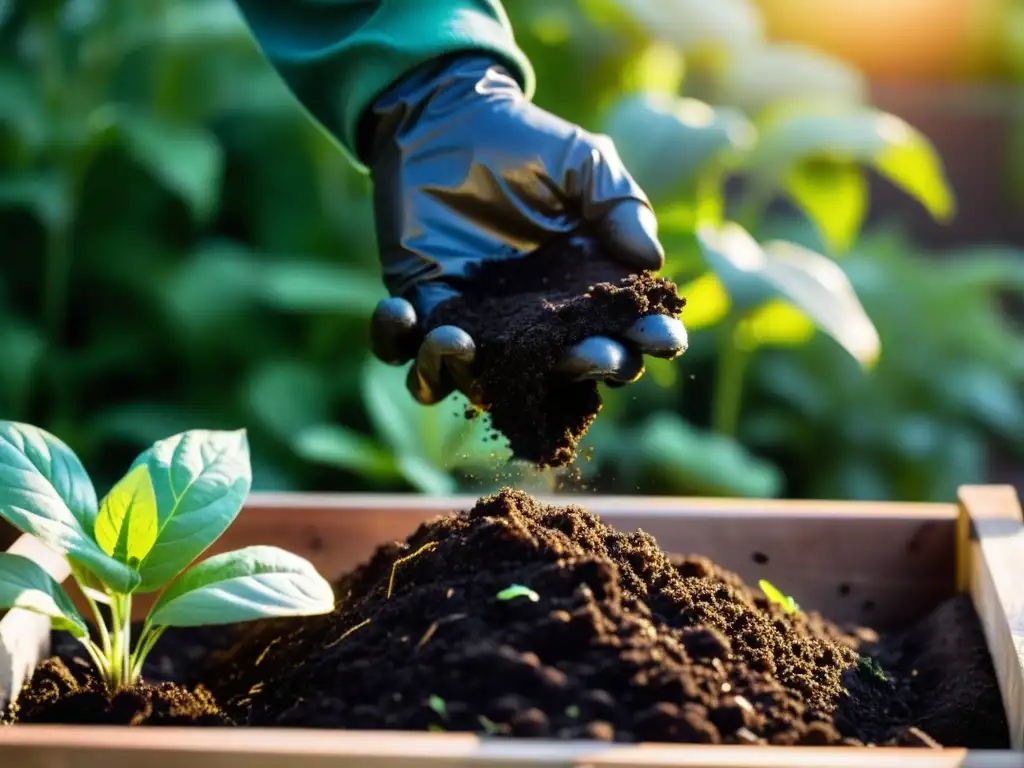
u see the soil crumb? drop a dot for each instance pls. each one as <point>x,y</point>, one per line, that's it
<point>602,637</point>
<point>524,313</point>
<point>72,694</point>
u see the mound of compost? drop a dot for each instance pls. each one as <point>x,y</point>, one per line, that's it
<point>602,636</point>
<point>524,314</point>
<point>523,619</point>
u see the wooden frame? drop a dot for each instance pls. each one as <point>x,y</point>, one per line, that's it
<point>877,563</point>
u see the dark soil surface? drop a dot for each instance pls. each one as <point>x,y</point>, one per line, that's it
<point>621,643</point>
<point>524,313</point>
<point>70,693</point>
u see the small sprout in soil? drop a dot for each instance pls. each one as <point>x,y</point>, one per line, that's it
<point>176,499</point>
<point>438,704</point>
<point>518,590</point>
<point>425,548</point>
<point>572,711</point>
<point>490,727</point>
<point>435,728</point>
<point>872,667</point>
<point>788,604</point>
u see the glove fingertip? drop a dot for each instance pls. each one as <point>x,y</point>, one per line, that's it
<point>630,231</point>
<point>394,334</point>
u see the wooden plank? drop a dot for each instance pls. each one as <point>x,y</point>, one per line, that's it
<point>991,567</point>
<point>25,636</point>
<point>83,747</point>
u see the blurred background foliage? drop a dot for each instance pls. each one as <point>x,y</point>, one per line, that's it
<point>182,248</point>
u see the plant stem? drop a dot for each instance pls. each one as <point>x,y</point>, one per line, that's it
<point>97,656</point>
<point>126,648</point>
<point>101,625</point>
<point>732,365</point>
<point>146,643</point>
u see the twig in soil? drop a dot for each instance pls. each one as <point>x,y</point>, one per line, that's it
<point>433,628</point>
<point>425,548</point>
<point>346,633</point>
<point>266,650</point>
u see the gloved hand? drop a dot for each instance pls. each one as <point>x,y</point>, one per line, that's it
<point>465,169</point>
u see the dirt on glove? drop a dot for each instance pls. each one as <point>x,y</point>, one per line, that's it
<point>524,314</point>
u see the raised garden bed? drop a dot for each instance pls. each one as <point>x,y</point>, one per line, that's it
<point>887,566</point>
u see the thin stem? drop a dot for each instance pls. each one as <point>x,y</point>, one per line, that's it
<point>101,625</point>
<point>728,394</point>
<point>143,650</point>
<point>126,630</point>
<point>96,655</point>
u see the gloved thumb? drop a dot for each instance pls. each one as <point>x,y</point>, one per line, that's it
<point>630,233</point>
<point>611,200</point>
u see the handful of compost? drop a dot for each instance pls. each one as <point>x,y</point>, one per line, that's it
<point>519,253</point>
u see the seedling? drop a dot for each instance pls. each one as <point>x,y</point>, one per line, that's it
<point>177,498</point>
<point>518,590</point>
<point>438,704</point>
<point>788,603</point>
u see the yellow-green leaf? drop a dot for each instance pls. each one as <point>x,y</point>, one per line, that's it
<point>126,526</point>
<point>833,194</point>
<point>775,324</point>
<point>910,162</point>
<point>707,302</point>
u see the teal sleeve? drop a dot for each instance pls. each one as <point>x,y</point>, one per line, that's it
<point>337,56</point>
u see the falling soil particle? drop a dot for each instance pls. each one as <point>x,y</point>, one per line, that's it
<point>524,314</point>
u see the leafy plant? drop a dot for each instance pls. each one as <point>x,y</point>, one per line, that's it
<point>175,501</point>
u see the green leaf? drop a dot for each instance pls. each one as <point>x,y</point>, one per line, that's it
<point>21,350</point>
<point>23,584</point>
<point>667,142</point>
<point>339,446</point>
<point>287,397</point>
<point>812,283</point>
<point>774,595</point>
<point>683,459</point>
<point>760,76</point>
<point>46,195</point>
<point>201,478</point>
<point>698,25</point>
<point>833,194</point>
<point>127,521</point>
<point>311,286</point>
<point>185,159</point>
<point>796,133</point>
<point>46,492</point>
<point>244,585</point>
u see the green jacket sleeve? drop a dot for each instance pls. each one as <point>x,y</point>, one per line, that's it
<point>337,56</point>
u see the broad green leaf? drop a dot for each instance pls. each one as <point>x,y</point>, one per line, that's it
<point>22,109</point>
<point>812,283</point>
<point>683,459</point>
<point>775,324</point>
<point>311,286</point>
<point>338,446</point>
<point>211,290</point>
<point>23,584</point>
<point>698,25</point>
<point>126,525</point>
<point>667,142</point>
<point>244,585</point>
<point>185,159</point>
<point>288,396</point>
<point>799,132</point>
<point>46,195</point>
<point>833,194</point>
<point>45,491</point>
<point>201,479</point>
<point>760,76</point>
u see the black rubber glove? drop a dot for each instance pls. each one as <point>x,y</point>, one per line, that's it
<point>465,169</point>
